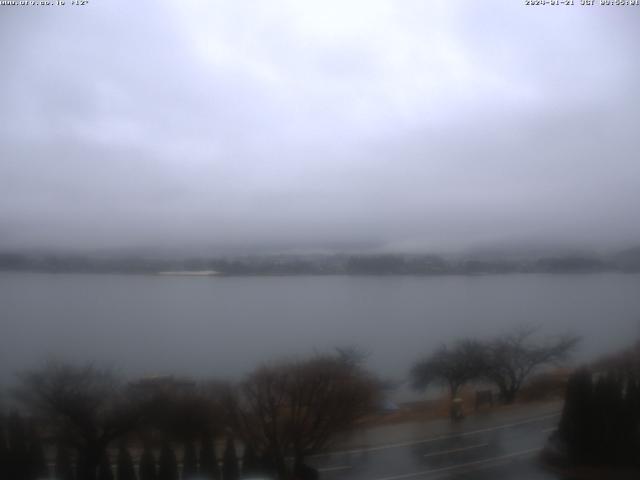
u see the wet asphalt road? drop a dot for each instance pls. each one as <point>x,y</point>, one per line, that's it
<point>469,450</point>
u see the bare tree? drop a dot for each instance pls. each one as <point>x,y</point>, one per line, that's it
<point>85,405</point>
<point>4,450</point>
<point>511,358</point>
<point>179,408</point>
<point>352,355</point>
<point>452,366</point>
<point>296,408</point>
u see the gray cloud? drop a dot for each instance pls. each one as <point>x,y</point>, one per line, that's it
<point>406,125</point>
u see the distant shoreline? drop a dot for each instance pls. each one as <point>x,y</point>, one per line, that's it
<point>321,265</point>
<point>197,274</point>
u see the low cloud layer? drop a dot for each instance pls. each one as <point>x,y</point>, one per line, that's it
<point>318,125</point>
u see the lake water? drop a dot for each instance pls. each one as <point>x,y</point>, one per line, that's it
<point>223,327</point>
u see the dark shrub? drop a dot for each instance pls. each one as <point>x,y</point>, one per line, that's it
<point>168,468</point>
<point>125,469</point>
<point>147,465</point>
<point>189,461</point>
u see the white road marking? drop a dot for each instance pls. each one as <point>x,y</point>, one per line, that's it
<point>436,439</point>
<point>334,469</point>
<point>462,465</point>
<point>455,450</point>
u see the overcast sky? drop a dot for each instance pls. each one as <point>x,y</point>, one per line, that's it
<point>314,126</point>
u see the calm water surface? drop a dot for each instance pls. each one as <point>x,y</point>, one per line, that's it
<point>225,326</point>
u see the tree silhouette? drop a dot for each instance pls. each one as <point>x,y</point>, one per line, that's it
<point>208,467</point>
<point>86,406</point>
<point>147,465</point>
<point>168,466</point>
<point>230,461</point>
<point>632,414</point>
<point>63,469</point>
<point>452,366</point>
<point>189,461</point>
<point>38,467</point>
<point>297,408</point>
<point>18,465</point>
<point>575,423</point>
<point>179,408</point>
<point>599,424</point>
<point>125,469</point>
<point>104,470</point>
<point>83,470</point>
<point>251,465</point>
<point>4,450</point>
<point>510,359</point>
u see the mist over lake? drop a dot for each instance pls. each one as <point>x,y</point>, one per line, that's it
<point>225,326</point>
